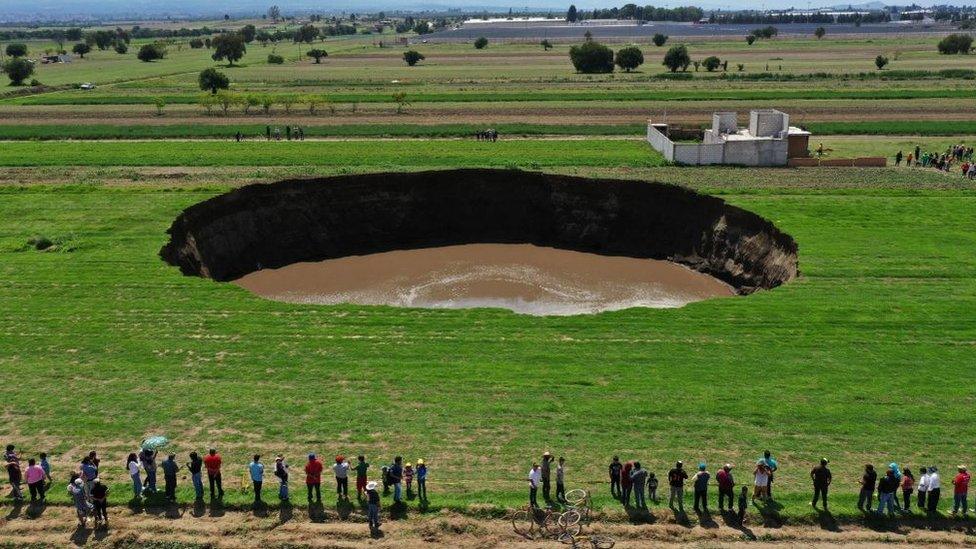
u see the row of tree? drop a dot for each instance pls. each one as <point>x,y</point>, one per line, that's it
<point>637,13</point>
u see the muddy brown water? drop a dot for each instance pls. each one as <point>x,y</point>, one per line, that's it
<point>523,278</point>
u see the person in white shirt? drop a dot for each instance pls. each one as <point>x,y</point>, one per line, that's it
<point>923,488</point>
<point>535,477</point>
<point>133,464</point>
<point>341,470</point>
<point>934,490</point>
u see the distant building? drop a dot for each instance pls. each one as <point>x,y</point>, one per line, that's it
<point>768,141</point>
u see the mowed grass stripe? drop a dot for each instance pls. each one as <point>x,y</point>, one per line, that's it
<point>485,96</point>
<point>377,154</point>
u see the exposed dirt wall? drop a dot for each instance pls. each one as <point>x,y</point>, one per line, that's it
<point>278,224</point>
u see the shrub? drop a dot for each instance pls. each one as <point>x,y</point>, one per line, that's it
<point>711,63</point>
<point>18,69</point>
<point>765,32</point>
<point>880,62</point>
<point>121,48</point>
<point>213,80</point>
<point>196,44</point>
<point>591,58</point>
<point>275,59</point>
<point>151,52</point>
<point>17,50</point>
<point>659,39</point>
<point>676,58</point>
<point>956,43</point>
<point>412,57</point>
<point>820,32</point>
<point>39,242</point>
<point>546,45</point>
<point>750,39</point>
<point>481,43</point>
<point>35,82</point>
<point>741,67</point>
<point>629,58</point>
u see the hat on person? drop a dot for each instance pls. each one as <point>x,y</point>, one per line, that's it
<point>420,461</point>
<point>824,461</point>
<point>79,482</point>
<point>728,466</point>
<point>701,466</point>
<point>962,467</point>
<point>278,457</point>
<point>311,456</point>
<point>97,480</point>
<point>371,485</point>
<point>409,464</point>
<point>546,454</point>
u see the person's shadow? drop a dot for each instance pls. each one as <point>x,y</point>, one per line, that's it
<point>36,509</point>
<point>15,509</point>
<point>375,533</point>
<point>398,510</point>
<point>705,520</point>
<point>174,511</point>
<point>316,512</point>
<point>199,509</point>
<point>827,521</point>
<point>260,509</point>
<point>344,508</point>
<point>731,520</point>
<point>217,508</point>
<point>81,536</point>
<point>639,515</point>
<point>285,512</point>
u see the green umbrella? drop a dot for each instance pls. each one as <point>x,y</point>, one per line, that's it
<point>154,443</point>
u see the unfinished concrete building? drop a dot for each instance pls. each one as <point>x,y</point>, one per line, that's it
<point>768,141</point>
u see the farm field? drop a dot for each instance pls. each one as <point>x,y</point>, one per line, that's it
<point>862,359</point>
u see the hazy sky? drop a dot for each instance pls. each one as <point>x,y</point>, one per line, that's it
<point>58,9</point>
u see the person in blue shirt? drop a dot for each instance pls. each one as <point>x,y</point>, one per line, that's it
<point>89,472</point>
<point>421,480</point>
<point>396,476</point>
<point>170,469</point>
<point>47,467</point>
<point>257,477</point>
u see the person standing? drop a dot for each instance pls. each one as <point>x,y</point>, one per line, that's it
<point>923,487</point>
<point>726,483</point>
<point>534,478</point>
<point>196,474</point>
<point>373,501</point>
<point>82,508</point>
<point>866,496</point>
<point>35,480</point>
<point>396,478</point>
<point>267,132</point>
<point>213,462</point>
<point>561,480</point>
<point>256,469</point>
<point>313,478</point>
<point>934,490</point>
<point>761,481</point>
<point>700,483</point>
<point>638,478</point>
<point>898,157</point>
<point>341,470</point>
<point>99,496</point>
<point>89,472</point>
<point>288,133</point>
<point>652,488</point>
<point>615,470</point>
<point>408,478</point>
<point>821,477</point>
<point>960,491</point>
<point>422,480</point>
<point>148,459</point>
<point>887,487</point>
<point>625,484</point>
<point>907,488</point>
<point>170,469</point>
<point>771,467</point>
<point>361,476</point>
<point>47,468</point>
<point>546,476</point>
<point>281,471</point>
<point>133,465</point>
<point>743,503</point>
<point>14,475</point>
<point>676,480</point>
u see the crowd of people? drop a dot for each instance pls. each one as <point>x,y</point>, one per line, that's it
<point>954,155</point>
<point>632,480</point>
<point>291,133</point>
<point>487,135</point>
<point>90,495</point>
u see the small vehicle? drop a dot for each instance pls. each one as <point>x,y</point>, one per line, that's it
<point>87,86</point>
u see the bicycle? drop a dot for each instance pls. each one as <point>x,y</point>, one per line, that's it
<point>595,542</point>
<point>532,523</point>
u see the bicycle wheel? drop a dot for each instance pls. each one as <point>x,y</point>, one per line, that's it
<point>576,497</point>
<point>602,542</point>
<point>523,523</point>
<point>567,539</point>
<point>570,518</point>
<point>550,526</point>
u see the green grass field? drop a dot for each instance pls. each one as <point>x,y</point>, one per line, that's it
<point>864,358</point>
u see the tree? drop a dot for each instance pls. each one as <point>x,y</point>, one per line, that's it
<point>248,32</point>
<point>317,54</point>
<point>766,32</point>
<point>213,80</point>
<point>880,62</point>
<point>274,12</point>
<point>820,32</point>
<point>546,44</point>
<point>275,59</point>
<point>307,34</point>
<point>750,39</point>
<point>711,63</point>
<point>59,37</point>
<point>422,27</point>
<point>263,37</point>
<point>151,52</point>
<point>121,48</point>
<point>18,69</point>
<point>956,43</point>
<point>629,58</point>
<point>572,15</point>
<point>196,43</point>
<point>591,58</point>
<point>481,43</point>
<point>413,57</point>
<point>160,104</point>
<point>73,34</point>
<point>229,46</point>
<point>81,49</point>
<point>677,58</point>
<point>17,50</point>
<point>659,39</point>
<point>400,98</point>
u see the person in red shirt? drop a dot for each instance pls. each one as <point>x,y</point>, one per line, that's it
<point>725,485</point>
<point>212,462</point>
<point>313,478</point>
<point>961,490</point>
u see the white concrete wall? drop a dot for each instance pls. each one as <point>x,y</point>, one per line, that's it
<point>762,152</point>
<point>661,143</point>
<point>768,123</point>
<point>696,154</point>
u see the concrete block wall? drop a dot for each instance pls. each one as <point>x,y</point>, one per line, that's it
<point>768,123</point>
<point>661,143</point>
<point>725,122</point>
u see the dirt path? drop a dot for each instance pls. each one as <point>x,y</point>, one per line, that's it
<point>56,526</point>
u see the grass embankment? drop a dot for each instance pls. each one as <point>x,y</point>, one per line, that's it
<point>106,344</point>
<point>22,132</point>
